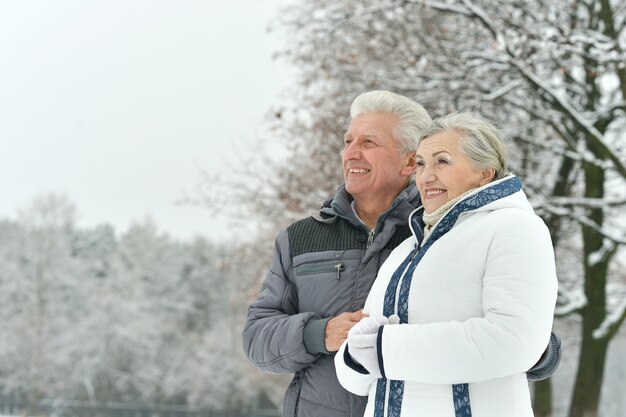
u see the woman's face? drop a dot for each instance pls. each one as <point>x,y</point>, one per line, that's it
<point>444,172</point>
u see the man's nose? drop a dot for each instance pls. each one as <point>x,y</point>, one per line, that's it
<point>352,151</point>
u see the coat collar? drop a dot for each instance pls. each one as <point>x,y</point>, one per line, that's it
<point>492,196</point>
<point>398,212</point>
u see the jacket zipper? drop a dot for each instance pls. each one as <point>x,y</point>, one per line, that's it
<point>339,268</point>
<point>314,269</point>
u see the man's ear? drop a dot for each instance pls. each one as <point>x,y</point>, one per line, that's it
<point>487,176</point>
<point>410,164</point>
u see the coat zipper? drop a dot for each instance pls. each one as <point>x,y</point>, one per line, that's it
<point>314,269</point>
<point>370,238</point>
<point>339,268</point>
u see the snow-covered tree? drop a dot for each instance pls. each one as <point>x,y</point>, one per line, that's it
<point>43,295</point>
<point>142,318</point>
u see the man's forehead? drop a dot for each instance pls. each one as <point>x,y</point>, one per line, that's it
<point>373,130</point>
<point>373,120</point>
<point>372,134</point>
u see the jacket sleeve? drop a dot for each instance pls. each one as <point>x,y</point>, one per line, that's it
<point>353,380</point>
<point>519,295</point>
<point>549,362</point>
<point>273,338</point>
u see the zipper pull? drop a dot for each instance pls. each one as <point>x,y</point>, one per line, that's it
<point>416,251</point>
<point>339,268</point>
<point>370,239</point>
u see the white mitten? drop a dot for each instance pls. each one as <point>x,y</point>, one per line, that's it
<point>362,343</point>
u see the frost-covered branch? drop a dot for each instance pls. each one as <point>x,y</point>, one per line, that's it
<point>574,303</point>
<point>475,58</point>
<point>445,7</point>
<point>612,322</point>
<point>555,125</point>
<point>560,102</point>
<point>502,90</point>
<point>578,217</point>
<point>487,23</point>
<point>606,251</point>
<point>558,150</point>
<point>576,116</point>
<point>587,202</point>
<point>601,57</point>
<point>608,110</point>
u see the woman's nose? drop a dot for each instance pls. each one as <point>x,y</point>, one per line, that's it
<point>427,175</point>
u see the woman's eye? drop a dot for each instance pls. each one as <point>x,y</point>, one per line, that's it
<point>420,164</point>
<point>443,161</point>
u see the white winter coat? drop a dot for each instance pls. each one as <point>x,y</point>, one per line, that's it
<point>480,309</point>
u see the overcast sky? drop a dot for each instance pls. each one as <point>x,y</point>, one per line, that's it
<point>119,103</point>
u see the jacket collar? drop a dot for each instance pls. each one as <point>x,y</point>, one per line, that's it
<point>398,212</point>
<point>502,193</point>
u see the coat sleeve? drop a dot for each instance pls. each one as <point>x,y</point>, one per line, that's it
<point>549,362</point>
<point>273,334</point>
<point>519,295</point>
<point>356,382</point>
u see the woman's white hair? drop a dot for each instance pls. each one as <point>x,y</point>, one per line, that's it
<point>412,117</point>
<point>482,142</point>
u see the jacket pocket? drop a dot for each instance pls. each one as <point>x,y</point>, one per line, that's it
<point>325,268</point>
<point>292,396</point>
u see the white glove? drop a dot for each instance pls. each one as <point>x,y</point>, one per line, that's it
<point>362,342</point>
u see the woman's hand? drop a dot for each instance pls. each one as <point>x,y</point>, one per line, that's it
<point>362,342</point>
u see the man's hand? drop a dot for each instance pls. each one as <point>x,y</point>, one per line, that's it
<point>337,329</point>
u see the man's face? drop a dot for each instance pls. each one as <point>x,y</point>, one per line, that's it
<point>373,167</point>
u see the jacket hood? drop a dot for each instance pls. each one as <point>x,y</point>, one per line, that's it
<point>503,193</point>
<point>340,206</point>
<point>517,199</point>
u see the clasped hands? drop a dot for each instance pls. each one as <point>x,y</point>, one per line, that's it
<point>362,341</point>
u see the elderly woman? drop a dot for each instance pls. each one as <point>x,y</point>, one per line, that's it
<point>460,310</point>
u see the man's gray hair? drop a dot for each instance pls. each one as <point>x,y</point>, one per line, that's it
<point>483,142</point>
<point>413,119</point>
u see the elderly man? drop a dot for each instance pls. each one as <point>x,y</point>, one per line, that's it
<point>324,265</point>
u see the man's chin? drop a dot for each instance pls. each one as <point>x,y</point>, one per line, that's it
<point>353,188</point>
<point>358,191</point>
